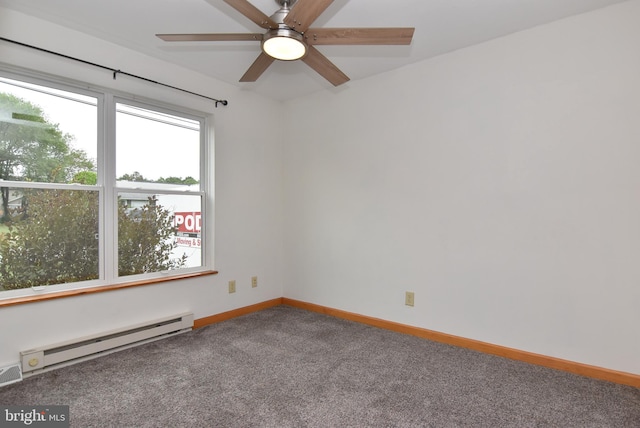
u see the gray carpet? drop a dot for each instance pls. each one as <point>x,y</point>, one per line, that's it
<point>285,367</point>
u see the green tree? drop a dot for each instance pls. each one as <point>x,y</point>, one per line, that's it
<point>33,149</point>
<point>136,176</point>
<point>57,242</point>
<point>188,181</point>
<point>145,240</point>
<point>86,177</point>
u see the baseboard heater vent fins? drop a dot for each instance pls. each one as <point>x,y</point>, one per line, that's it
<point>62,354</point>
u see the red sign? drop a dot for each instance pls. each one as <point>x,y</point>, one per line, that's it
<point>187,222</point>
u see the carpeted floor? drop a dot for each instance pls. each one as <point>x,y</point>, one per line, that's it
<point>285,367</point>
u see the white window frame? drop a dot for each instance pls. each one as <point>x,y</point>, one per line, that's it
<point>106,185</point>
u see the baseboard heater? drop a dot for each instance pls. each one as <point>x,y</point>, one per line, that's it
<point>62,354</point>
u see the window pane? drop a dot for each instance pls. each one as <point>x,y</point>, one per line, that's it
<point>52,211</point>
<point>158,232</point>
<point>46,135</point>
<point>51,238</point>
<point>156,147</point>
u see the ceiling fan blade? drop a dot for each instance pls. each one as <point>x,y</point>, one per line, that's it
<point>324,67</point>
<point>359,36</point>
<point>304,12</point>
<point>253,13</point>
<point>219,37</point>
<point>257,68</point>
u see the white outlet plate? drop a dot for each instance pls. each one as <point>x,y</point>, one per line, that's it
<point>232,286</point>
<point>409,298</point>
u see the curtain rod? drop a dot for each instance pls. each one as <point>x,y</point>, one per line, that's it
<point>114,71</point>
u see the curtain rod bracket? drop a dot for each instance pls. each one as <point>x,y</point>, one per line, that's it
<point>115,73</point>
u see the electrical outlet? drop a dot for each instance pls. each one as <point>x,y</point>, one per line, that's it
<point>409,298</point>
<point>232,286</point>
<point>254,281</point>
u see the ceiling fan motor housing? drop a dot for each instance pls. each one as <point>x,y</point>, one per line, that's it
<point>286,3</point>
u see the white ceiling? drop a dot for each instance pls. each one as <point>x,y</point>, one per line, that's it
<point>441,26</point>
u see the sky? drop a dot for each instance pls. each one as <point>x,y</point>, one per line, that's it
<point>153,144</point>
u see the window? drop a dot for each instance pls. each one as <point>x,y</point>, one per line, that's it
<point>96,189</point>
<point>157,160</point>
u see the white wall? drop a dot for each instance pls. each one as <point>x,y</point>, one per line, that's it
<point>248,197</point>
<point>500,183</point>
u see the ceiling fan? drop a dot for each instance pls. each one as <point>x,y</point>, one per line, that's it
<point>290,37</point>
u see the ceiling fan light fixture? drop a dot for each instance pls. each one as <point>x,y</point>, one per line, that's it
<point>284,44</point>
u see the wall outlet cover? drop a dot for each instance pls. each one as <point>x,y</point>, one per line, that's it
<point>409,298</point>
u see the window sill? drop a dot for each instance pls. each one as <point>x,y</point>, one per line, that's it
<point>100,289</point>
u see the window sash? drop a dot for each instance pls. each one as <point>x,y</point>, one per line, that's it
<point>107,187</point>
<point>199,196</point>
